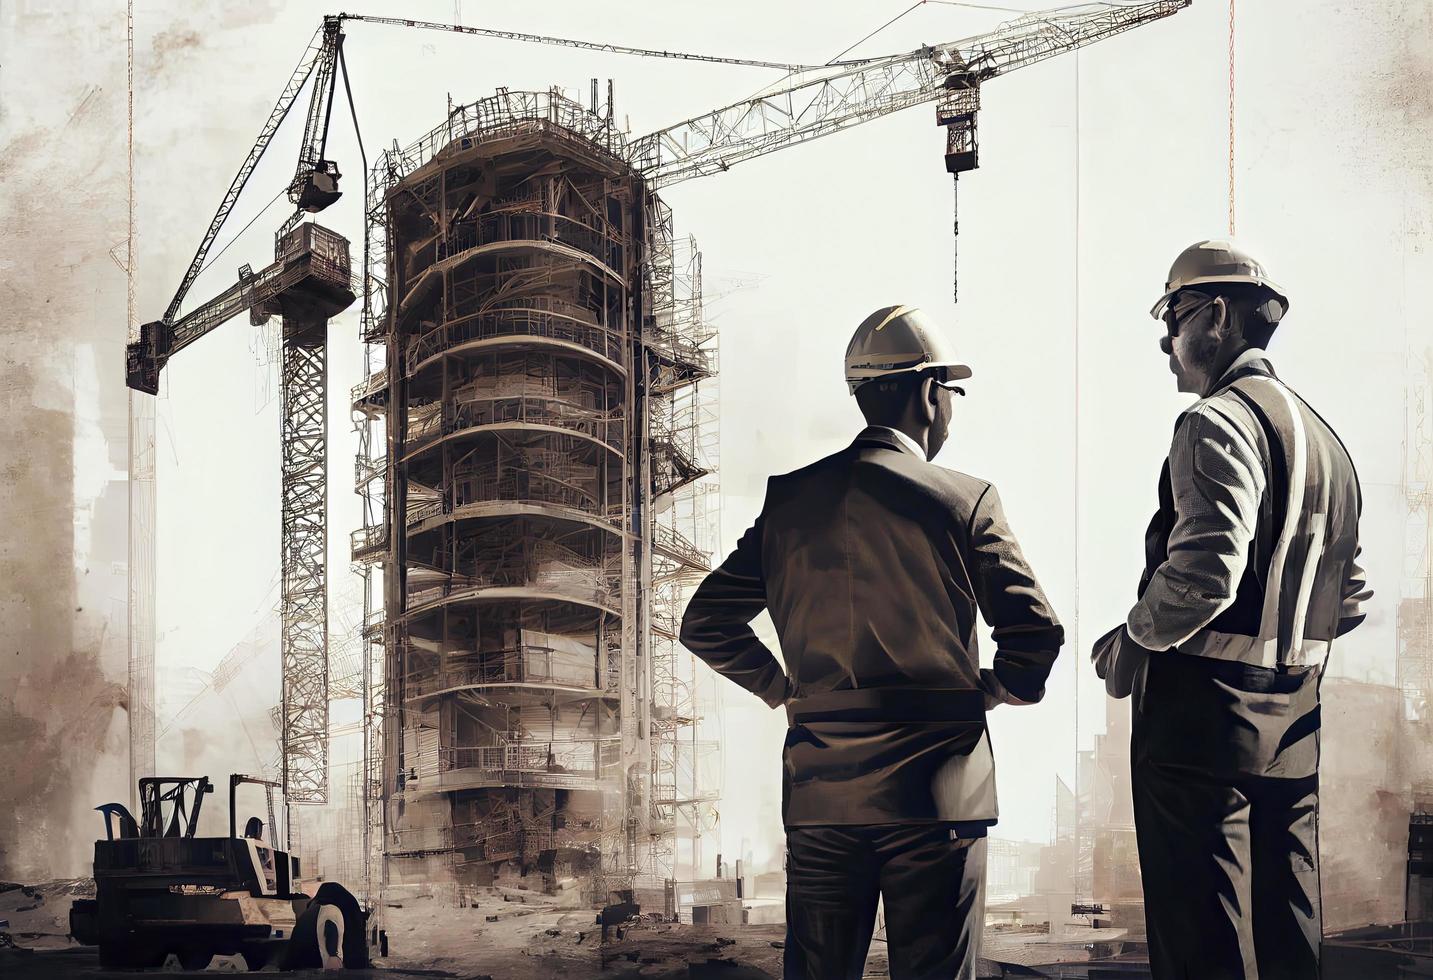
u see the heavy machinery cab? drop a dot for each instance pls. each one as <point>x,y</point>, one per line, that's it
<point>162,849</point>
<point>275,872</point>
<point>162,888</point>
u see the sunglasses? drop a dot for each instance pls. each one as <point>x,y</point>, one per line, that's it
<point>1183,307</point>
<point>941,376</point>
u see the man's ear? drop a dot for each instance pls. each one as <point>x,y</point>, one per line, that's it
<point>1223,325</point>
<point>929,396</point>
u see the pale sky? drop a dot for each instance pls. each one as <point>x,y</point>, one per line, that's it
<point>1094,174</point>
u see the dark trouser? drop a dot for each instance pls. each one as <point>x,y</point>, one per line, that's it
<point>931,886</point>
<point>1227,824</point>
<point>1230,869</point>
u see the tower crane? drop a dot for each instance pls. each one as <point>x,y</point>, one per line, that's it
<point>310,281</point>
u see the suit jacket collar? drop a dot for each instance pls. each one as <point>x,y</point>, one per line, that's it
<point>881,437</point>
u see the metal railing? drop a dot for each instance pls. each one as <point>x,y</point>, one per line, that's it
<point>679,348</point>
<point>530,317</point>
<point>605,427</point>
<point>529,665</point>
<point>375,382</point>
<point>587,585</point>
<point>531,226</point>
<point>369,541</point>
<point>580,759</point>
<point>368,468</point>
<point>665,620</point>
<point>671,542</point>
<point>418,513</point>
<point>521,484</point>
<point>504,114</point>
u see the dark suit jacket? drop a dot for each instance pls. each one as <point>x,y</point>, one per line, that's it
<point>874,563</point>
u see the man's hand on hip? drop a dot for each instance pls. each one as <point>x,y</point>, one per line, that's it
<point>995,692</point>
<point>1119,661</point>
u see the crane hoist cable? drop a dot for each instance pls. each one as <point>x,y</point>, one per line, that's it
<point>363,161</point>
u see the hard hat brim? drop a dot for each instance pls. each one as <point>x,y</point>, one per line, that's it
<point>954,371</point>
<point>1157,310</point>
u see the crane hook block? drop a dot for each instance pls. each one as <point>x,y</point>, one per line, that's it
<point>318,188</point>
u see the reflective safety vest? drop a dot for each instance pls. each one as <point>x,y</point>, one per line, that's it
<point>1287,607</point>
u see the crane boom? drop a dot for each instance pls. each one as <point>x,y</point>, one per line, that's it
<point>814,102</point>
<point>310,266</point>
<point>320,110</point>
<point>281,109</point>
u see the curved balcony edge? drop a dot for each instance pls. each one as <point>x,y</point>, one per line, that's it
<point>510,593</point>
<point>488,509</point>
<point>431,441</point>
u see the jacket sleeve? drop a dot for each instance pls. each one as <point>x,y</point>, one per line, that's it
<point>1027,635</point>
<point>716,626</point>
<point>1217,476</point>
<point>1355,593</point>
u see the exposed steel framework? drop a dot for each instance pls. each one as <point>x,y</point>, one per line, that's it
<point>303,603</point>
<point>529,359</point>
<point>682,428</point>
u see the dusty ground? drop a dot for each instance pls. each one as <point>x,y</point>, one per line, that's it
<point>529,939</point>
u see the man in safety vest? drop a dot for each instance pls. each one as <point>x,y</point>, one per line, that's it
<point>1250,574</point>
<point>874,564</point>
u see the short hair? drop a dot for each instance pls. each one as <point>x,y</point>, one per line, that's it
<point>1243,301</point>
<point>884,400</point>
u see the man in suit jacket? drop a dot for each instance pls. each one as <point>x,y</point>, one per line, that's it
<point>1251,572</point>
<point>874,564</point>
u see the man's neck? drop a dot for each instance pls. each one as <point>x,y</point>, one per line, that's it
<point>1230,363</point>
<point>914,443</point>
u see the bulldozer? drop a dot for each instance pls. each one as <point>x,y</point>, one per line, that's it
<point>162,891</point>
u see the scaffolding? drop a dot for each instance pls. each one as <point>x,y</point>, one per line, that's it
<point>536,444</point>
<point>682,430</point>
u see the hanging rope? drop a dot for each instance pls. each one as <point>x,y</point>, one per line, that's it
<point>954,237</point>
<point>130,321</point>
<point>1231,118</point>
<point>1075,623</point>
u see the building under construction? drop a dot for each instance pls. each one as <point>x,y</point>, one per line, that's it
<point>538,444</point>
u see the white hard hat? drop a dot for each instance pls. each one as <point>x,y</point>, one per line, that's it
<point>1221,261</point>
<point>897,340</point>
